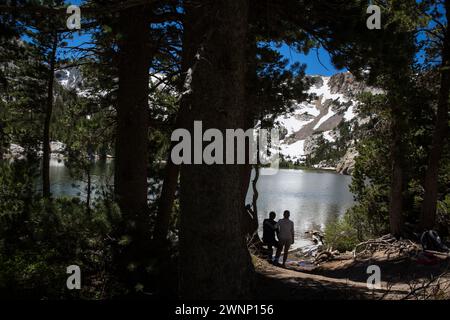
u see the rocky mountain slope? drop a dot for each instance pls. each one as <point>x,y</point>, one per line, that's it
<point>70,78</point>
<point>320,122</point>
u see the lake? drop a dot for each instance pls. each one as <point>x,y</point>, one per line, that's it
<point>313,197</point>
<point>62,184</point>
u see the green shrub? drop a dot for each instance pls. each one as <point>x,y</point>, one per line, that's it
<point>41,238</point>
<point>341,235</point>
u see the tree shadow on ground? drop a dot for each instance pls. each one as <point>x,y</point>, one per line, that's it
<point>395,270</point>
<point>287,284</point>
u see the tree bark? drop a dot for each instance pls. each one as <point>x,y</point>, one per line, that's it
<point>171,174</point>
<point>215,263</point>
<point>396,191</point>
<point>46,151</point>
<point>189,62</point>
<point>130,178</point>
<point>88,190</point>
<point>255,196</point>
<point>252,111</point>
<point>2,141</point>
<point>440,137</point>
<point>254,223</point>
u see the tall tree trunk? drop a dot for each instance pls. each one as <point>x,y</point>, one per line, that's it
<point>252,111</point>
<point>440,137</point>
<point>255,194</point>
<point>215,261</point>
<point>255,200</point>
<point>2,141</point>
<point>189,63</point>
<point>47,121</point>
<point>165,207</point>
<point>130,179</point>
<point>88,190</point>
<point>396,192</point>
<point>169,187</point>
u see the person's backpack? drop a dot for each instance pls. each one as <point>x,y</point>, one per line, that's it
<point>430,240</point>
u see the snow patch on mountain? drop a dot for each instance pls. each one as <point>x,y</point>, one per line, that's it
<point>294,150</point>
<point>333,102</point>
<point>293,123</point>
<point>328,135</point>
<point>349,114</point>
<point>323,91</point>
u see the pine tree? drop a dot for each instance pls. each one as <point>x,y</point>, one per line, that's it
<point>211,196</point>
<point>46,35</point>
<point>441,131</point>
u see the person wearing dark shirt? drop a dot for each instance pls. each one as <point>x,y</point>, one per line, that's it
<point>270,228</point>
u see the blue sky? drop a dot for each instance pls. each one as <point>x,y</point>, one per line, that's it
<point>314,66</point>
<point>77,2</point>
<point>323,67</point>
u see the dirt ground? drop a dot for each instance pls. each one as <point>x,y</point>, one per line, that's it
<point>402,277</point>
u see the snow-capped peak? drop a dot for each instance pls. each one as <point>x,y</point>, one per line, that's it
<point>334,103</point>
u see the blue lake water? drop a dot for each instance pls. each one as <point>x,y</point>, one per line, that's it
<point>313,198</point>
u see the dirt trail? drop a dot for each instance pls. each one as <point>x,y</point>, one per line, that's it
<point>344,279</point>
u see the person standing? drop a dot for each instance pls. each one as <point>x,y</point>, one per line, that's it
<point>285,236</point>
<point>269,230</point>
